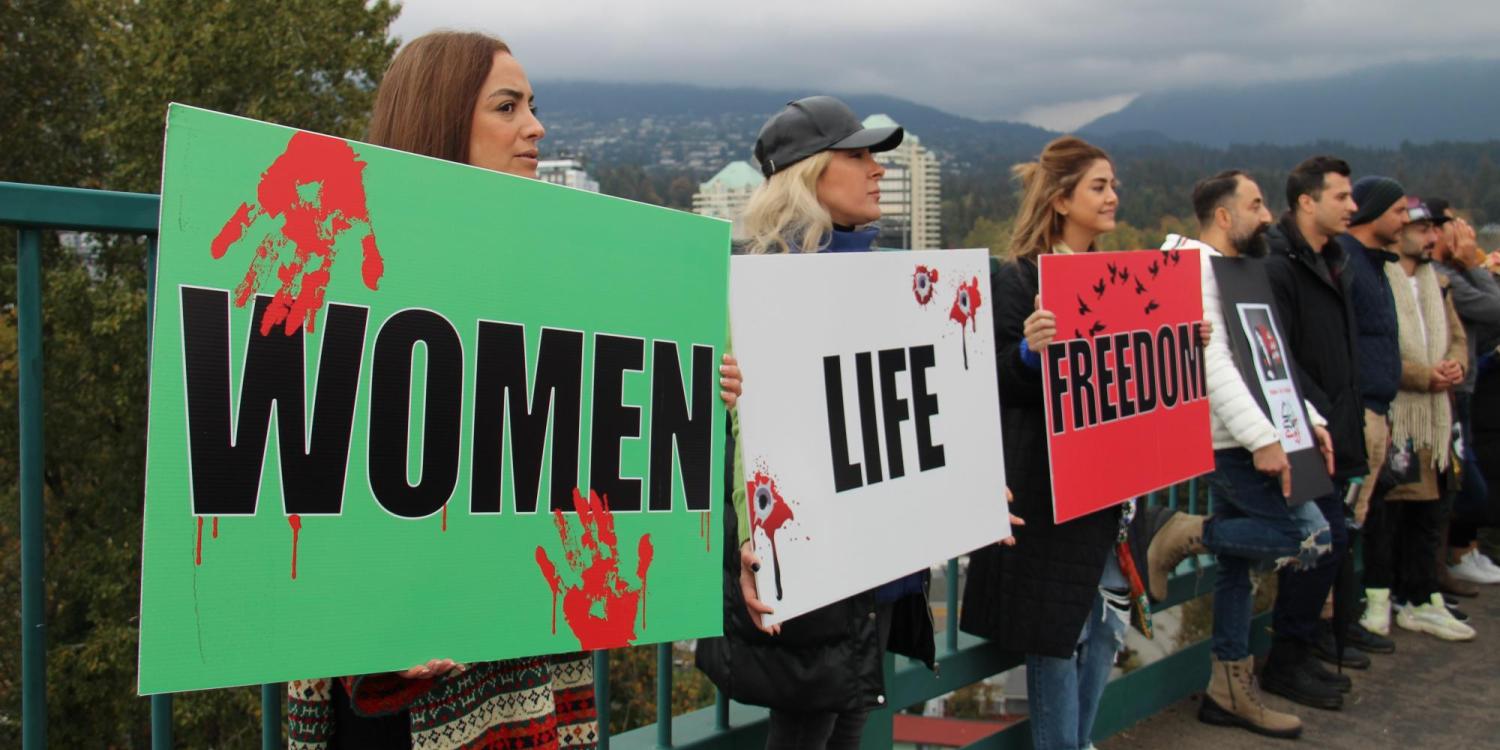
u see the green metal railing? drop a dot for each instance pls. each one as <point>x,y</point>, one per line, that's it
<point>35,209</point>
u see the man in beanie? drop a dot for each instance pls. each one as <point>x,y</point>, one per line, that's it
<point>1374,229</point>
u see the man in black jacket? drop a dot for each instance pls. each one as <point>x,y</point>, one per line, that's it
<point>1375,228</point>
<point>1311,281</point>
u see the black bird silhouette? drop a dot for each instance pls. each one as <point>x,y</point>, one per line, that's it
<point>1139,287</point>
<point>1114,273</point>
<point>1083,308</point>
<point>1175,256</point>
<point>1097,327</point>
<point>1153,268</point>
<point>1151,307</point>
<point>1124,274</point>
<point>1099,289</point>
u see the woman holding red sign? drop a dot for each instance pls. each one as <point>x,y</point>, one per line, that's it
<point>461,97</point>
<point>1063,594</point>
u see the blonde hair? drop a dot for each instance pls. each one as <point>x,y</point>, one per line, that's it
<point>1054,174</point>
<point>784,211</point>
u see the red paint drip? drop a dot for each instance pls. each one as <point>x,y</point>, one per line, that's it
<point>198,548</point>
<point>594,558</point>
<point>762,488</point>
<point>549,571</point>
<point>316,186</point>
<point>216,527</point>
<point>296,524</point>
<point>705,530</point>
<point>644,553</point>
<point>965,312</point>
<point>445,516</point>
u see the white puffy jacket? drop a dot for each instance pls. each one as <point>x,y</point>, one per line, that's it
<point>1238,421</point>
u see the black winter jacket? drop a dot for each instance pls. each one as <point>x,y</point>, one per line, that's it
<point>1034,597</point>
<point>1374,309</point>
<point>826,660</point>
<point>1315,300</point>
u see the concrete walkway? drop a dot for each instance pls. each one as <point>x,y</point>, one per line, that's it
<point>1429,694</point>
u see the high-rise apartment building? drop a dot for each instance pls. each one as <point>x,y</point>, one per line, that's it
<point>725,194</point>
<point>911,203</point>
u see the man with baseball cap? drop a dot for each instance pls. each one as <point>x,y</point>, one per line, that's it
<point>1409,525</point>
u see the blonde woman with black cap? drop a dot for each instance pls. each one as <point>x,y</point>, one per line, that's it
<point>820,673</point>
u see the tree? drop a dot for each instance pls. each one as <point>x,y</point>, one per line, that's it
<point>992,234</point>
<point>84,86</point>
<point>310,64</point>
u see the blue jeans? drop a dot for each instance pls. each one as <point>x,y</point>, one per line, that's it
<point>1300,592</point>
<point>1064,694</point>
<point>1253,528</point>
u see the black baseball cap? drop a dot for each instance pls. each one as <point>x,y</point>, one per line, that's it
<point>815,124</point>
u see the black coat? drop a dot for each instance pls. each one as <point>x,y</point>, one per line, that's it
<point>826,660</point>
<point>1315,302</point>
<point>1374,307</point>
<point>1485,418</point>
<point>1034,597</point>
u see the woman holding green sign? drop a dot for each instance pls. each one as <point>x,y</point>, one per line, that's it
<point>462,97</point>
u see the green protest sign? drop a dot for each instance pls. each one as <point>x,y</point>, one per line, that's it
<point>405,409</point>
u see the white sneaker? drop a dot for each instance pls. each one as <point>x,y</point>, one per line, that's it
<point>1434,618</point>
<point>1485,562</point>
<point>1470,569</point>
<point>1377,616</point>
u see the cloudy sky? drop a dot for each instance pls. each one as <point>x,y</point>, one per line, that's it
<point>1057,64</point>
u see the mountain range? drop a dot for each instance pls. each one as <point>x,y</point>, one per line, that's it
<point>1380,107</point>
<point>699,129</point>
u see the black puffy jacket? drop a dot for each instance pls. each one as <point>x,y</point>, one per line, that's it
<point>1374,309</point>
<point>1034,597</point>
<point>1315,300</point>
<point>826,660</point>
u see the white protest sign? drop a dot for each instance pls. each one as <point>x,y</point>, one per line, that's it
<point>870,424</point>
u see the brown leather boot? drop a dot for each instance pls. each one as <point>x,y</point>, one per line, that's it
<point>1180,535</point>
<point>1233,700</point>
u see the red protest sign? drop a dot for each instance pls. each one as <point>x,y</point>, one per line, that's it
<point>1127,402</point>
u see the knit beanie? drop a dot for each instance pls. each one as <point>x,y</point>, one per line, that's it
<point>1373,195</point>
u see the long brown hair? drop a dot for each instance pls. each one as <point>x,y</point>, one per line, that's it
<point>1053,175</point>
<point>425,104</point>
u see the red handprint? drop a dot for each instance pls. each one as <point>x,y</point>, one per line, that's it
<point>595,560</point>
<point>316,188</point>
<point>964,312</point>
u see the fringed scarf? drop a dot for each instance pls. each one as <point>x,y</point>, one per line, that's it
<point>1424,418</point>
